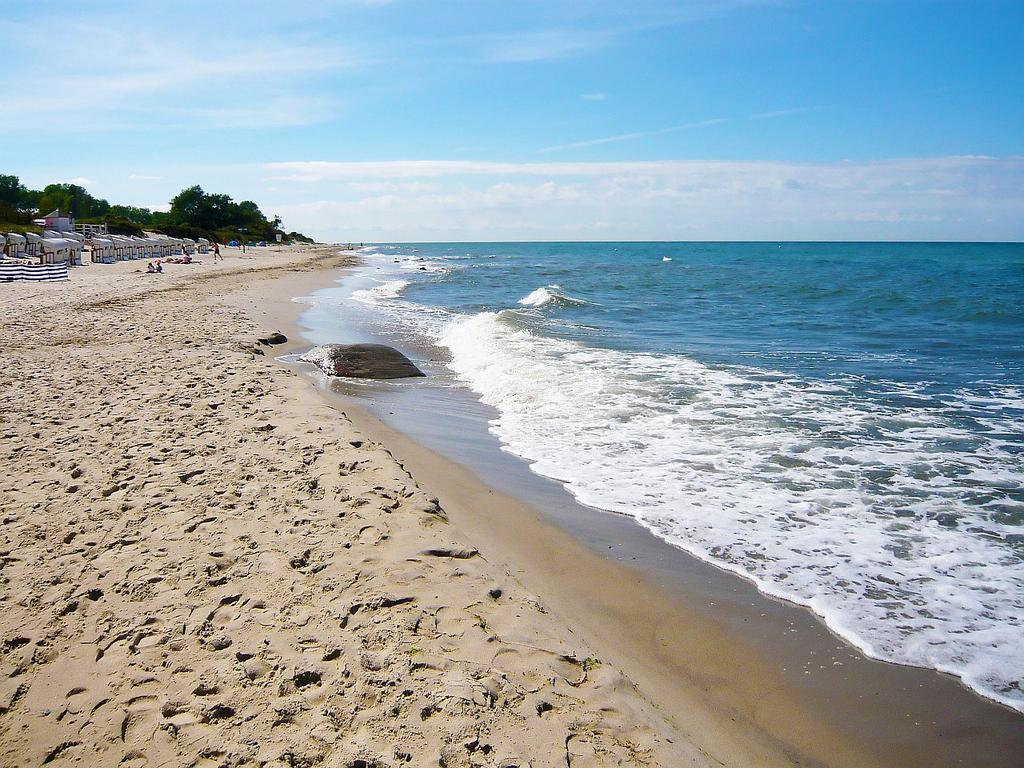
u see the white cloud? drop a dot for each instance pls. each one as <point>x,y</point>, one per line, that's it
<point>926,198</point>
<point>594,96</point>
<point>325,170</point>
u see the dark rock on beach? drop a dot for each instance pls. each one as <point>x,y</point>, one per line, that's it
<point>274,338</point>
<point>362,361</point>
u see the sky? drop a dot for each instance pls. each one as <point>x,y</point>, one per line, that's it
<point>416,120</point>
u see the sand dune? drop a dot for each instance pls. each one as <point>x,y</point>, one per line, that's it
<point>203,564</point>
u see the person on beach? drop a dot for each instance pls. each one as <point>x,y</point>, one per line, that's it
<point>216,252</point>
<point>159,266</point>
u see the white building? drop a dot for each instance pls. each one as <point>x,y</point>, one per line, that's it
<point>57,221</point>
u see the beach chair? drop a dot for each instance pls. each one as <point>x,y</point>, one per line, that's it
<point>101,250</point>
<point>75,249</point>
<point>15,245</point>
<point>34,245</point>
<point>55,250</point>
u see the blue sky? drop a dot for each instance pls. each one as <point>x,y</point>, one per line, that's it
<point>406,120</point>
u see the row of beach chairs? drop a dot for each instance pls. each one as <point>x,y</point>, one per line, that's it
<point>68,247</point>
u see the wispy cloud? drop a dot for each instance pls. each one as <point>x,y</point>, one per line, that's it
<point>144,77</point>
<point>542,45</point>
<point>783,113</point>
<point>607,25</point>
<point>327,171</point>
<point>633,136</point>
<point>274,111</point>
<point>594,96</point>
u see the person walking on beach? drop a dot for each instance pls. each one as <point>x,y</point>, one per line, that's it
<point>216,252</point>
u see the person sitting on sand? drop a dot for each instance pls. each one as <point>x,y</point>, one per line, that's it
<point>159,266</point>
<point>150,268</point>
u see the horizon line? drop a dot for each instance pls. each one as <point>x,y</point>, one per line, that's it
<point>753,241</point>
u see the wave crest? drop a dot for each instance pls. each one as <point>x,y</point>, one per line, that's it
<point>550,294</point>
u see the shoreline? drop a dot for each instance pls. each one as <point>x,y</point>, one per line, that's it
<point>208,561</point>
<point>825,721</point>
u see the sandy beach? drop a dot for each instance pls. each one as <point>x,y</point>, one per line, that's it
<point>208,562</point>
<point>204,564</point>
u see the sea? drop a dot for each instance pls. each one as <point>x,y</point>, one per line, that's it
<point>842,423</point>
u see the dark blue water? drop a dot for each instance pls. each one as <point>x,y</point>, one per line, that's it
<point>843,423</point>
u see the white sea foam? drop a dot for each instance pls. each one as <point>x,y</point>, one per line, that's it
<point>408,263</point>
<point>852,508</point>
<point>387,290</point>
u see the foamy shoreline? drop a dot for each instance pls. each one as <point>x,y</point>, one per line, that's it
<point>817,684</point>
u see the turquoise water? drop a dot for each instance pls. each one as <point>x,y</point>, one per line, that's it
<point>842,423</point>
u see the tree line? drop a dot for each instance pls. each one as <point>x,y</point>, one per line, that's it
<point>193,213</point>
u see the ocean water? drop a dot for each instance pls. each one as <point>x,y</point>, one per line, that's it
<point>841,423</point>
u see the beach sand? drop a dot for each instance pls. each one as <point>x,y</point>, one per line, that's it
<point>206,564</point>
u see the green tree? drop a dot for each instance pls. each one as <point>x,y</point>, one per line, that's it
<point>193,213</point>
<point>189,206</point>
<point>12,191</point>
<point>218,214</point>
<point>132,213</point>
<point>71,198</point>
